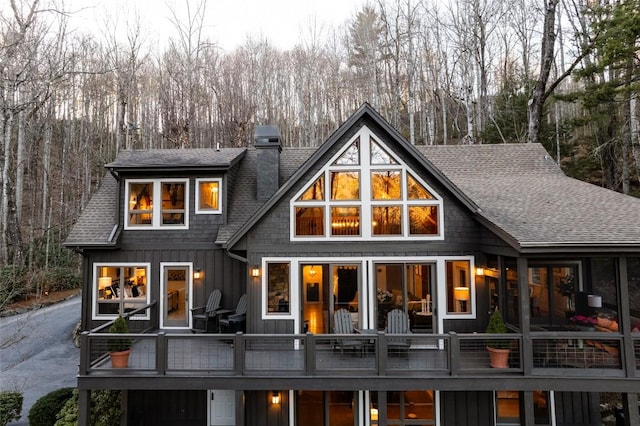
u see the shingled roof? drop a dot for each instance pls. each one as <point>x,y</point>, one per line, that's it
<point>525,197</point>
<point>242,204</point>
<point>516,190</point>
<point>171,159</point>
<point>97,226</point>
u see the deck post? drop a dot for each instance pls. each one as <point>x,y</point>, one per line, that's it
<point>381,354</point>
<point>238,353</point>
<point>630,409</point>
<point>161,353</point>
<point>526,349</point>
<point>85,353</point>
<point>309,354</point>
<point>84,408</point>
<point>454,353</point>
<point>627,357</point>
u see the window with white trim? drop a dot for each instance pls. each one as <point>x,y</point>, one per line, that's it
<point>156,204</point>
<point>278,297</point>
<point>366,192</point>
<point>119,288</point>
<point>209,196</point>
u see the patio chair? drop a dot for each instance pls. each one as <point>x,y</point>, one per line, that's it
<point>233,320</point>
<point>342,325</point>
<point>398,323</point>
<point>201,315</point>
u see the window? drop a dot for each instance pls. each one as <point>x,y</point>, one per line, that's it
<point>414,407</point>
<point>208,196</point>
<point>171,210</point>
<point>369,194</point>
<point>278,289</point>
<point>120,288</point>
<point>409,287</point>
<point>458,279</point>
<point>507,405</point>
<point>552,293</point>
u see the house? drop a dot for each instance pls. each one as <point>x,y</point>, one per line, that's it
<point>361,226</point>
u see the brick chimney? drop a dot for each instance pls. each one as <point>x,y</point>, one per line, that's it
<point>268,150</point>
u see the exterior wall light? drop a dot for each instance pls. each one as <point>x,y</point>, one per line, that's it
<point>197,274</point>
<point>275,398</point>
<point>255,271</point>
<point>480,272</point>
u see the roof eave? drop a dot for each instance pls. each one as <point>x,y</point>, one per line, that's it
<point>531,247</point>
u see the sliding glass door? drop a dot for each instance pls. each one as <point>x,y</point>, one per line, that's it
<point>410,287</point>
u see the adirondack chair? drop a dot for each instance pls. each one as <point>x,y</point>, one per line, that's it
<point>201,315</point>
<point>398,323</point>
<point>233,320</point>
<point>342,325</point>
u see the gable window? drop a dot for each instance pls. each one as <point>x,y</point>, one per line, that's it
<point>156,204</point>
<point>369,193</point>
<point>120,288</point>
<point>208,196</point>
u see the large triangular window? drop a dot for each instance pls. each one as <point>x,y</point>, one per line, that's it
<point>366,191</point>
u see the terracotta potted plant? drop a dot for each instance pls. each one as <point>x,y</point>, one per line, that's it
<point>498,349</point>
<point>119,349</point>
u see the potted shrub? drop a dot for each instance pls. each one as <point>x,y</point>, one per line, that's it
<point>498,349</point>
<point>119,349</point>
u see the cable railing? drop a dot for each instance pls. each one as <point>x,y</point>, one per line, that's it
<point>417,355</point>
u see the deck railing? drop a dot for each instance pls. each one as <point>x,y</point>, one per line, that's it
<point>423,355</point>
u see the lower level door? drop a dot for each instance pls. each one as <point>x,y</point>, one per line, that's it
<point>222,407</point>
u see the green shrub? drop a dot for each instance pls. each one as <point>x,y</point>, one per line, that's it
<point>105,409</point>
<point>497,326</point>
<point>119,326</point>
<point>45,410</point>
<point>68,414</point>
<point>10,406</point>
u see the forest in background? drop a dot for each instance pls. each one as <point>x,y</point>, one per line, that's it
<point>564,73</point>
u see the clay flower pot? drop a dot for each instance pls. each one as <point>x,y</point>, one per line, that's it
<point>120,359</point>
<point>499,357</point>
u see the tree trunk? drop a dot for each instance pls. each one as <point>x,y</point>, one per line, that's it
<point>4,210</point>
<point>539,95</point>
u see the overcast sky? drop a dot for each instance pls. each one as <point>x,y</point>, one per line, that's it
<point>228,22</point>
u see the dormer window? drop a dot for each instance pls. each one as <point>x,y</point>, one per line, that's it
<point>156,204</point>
<point>366,191</point>
<point>208,196</point>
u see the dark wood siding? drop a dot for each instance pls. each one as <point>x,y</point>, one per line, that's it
<point>219,271</point>
<point>577,409</point>
<point>259,411</point>
<point>166,408</point>
<point>467,408</point>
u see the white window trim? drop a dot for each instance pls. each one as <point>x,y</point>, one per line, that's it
<point>442,295</point>
<point>294,291</point>
<point>197,204</point>
<point>157,206</point>
<point>365,203</point>
<point>94,293</point>
<point>367,262</point>
<point>189,291</point>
